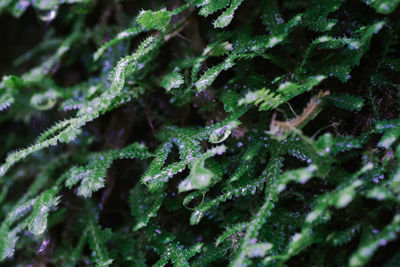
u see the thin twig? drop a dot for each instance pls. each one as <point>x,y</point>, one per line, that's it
<point>153,130</point>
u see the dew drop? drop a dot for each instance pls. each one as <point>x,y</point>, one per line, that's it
<point>48,15</point>
<point>44,245</point>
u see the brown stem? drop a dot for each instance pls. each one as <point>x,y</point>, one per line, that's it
<point>153,130</point>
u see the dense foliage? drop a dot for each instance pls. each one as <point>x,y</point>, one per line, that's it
<point>200,132</point>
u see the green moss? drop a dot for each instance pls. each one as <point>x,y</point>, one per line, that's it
<point>201,132</point>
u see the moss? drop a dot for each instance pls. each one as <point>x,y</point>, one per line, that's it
<point>195,133</point>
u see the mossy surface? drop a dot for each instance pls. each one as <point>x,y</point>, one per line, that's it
<point>199,133</point>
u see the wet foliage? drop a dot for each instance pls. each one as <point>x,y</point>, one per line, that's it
<point>200,133</point>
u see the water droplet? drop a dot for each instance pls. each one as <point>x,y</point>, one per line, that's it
<point>44,245</point>
<point>196,217</point>
<point>48,15</point>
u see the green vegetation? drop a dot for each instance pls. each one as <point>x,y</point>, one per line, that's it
<point>200,133</point>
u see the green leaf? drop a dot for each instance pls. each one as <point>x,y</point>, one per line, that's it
<point>6,100</point>
<point>248,245</point>
<point>200,177</point>
<point>97,239</point>
<point>38,220</point>
<point>315,17</point>
<point>340,238</point>
<point>225,18</point>
<point>366,249</point>
<point>263,97</point>
<point>300,175</point>
<point>346,101</point>
<point>172,80</point>
<point>44,101</point>
<point>154,19</point>
<point>384,125</point>
<point>389,138</point>
<point>286,91</point>
<point>344,60</point>
<point>230,100</point>
<point>212,73</point>
<point>229,231</point>
<point>383,6</point>
<point>92,177</point>
<point>271,16</point>
<point>221,134</point>
<point>144,205</point>
<point>221,49</point>
<point>8,241</point>
<point>211,6</point>
<point>126,34</point>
